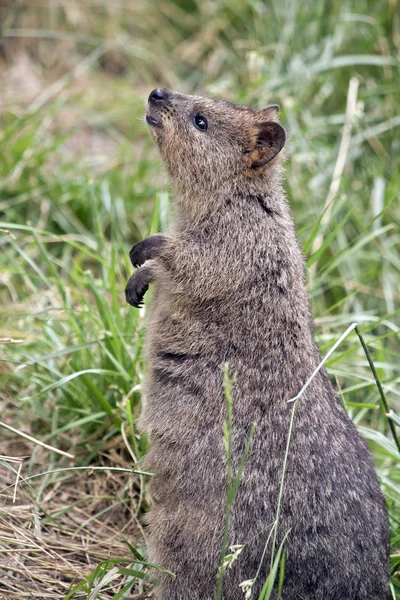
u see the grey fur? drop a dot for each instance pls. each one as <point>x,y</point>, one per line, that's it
<point>229,287</point>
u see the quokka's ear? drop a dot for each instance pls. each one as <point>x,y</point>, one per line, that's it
<point>268,113</point>
<point>270,139</point>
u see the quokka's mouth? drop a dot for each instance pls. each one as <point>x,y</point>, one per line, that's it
<point>153,121</point>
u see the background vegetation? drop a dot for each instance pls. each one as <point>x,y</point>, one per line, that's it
<point>80,182</point>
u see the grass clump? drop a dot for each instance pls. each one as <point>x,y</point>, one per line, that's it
<point>80,183</point>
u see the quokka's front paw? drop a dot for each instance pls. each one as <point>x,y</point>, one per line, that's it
<point>146,249</point>
<point>137,286</point>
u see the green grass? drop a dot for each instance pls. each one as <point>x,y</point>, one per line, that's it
<point>70,210</point>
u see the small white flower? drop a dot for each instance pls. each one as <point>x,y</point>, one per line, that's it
<point>247,588</point>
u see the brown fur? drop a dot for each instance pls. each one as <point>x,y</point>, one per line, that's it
<point>229,287</point>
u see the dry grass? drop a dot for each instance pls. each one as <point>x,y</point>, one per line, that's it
<point>58,527</point>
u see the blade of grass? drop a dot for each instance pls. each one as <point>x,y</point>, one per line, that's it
<point>36,441</point>
<point>379,386</point>
<point>233,482</point>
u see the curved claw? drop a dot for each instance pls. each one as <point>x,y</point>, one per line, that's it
<point>146,249</point>
<point>137,286</point>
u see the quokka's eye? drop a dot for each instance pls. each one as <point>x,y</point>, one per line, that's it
<point>200,123</point>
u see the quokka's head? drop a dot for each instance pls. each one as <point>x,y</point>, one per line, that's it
<point>208,145</point>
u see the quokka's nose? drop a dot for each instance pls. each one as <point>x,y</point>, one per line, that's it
<point>158,96</point>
